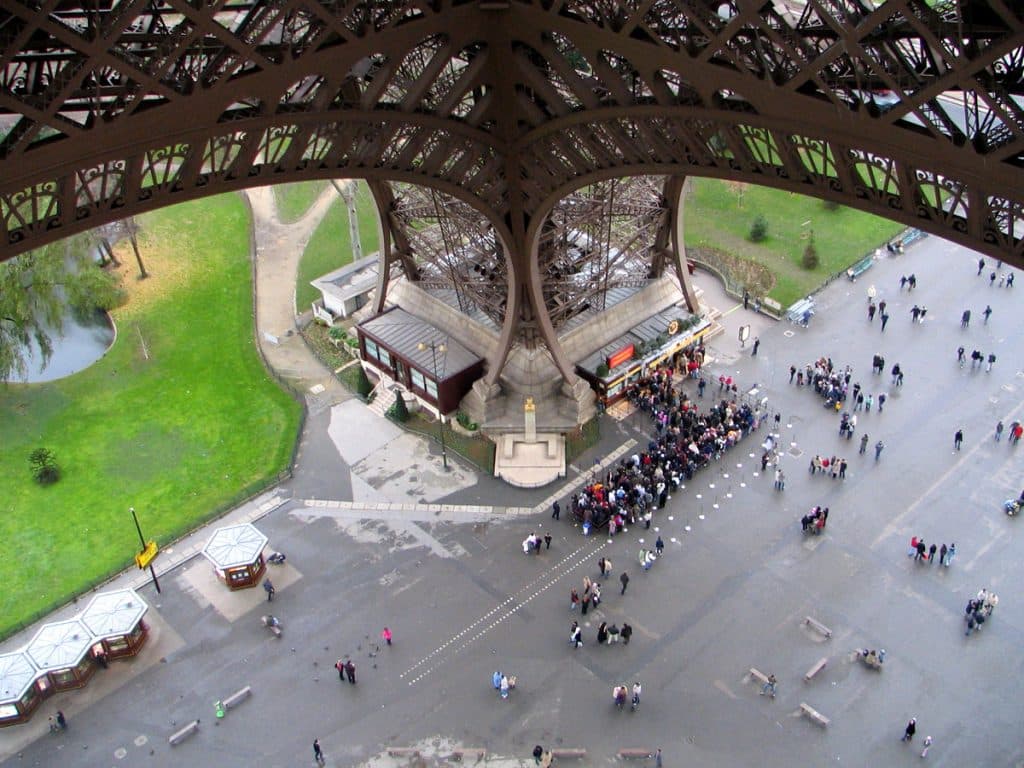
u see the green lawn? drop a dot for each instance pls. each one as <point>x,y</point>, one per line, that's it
<point>293,200</point>
<point>330,246</point>
<point>176,420</point>
<point>717,217</point>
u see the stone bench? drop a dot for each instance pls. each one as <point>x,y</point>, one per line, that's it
<point>458,755</point>
<point>817,625</point>
<point>567,754</point>
<point>818,666</point>
<point>815,716</point>
<point>179,736</point>
<point>237,697</point>
<point>635,753</point>
<point>761,676</point>
<point>403,752</point>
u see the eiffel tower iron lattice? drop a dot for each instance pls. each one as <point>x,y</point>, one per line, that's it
<point>524,132</point>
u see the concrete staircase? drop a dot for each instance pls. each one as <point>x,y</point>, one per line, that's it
<point>384,397</point>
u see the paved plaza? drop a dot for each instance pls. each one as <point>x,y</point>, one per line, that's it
<point>378,535</point>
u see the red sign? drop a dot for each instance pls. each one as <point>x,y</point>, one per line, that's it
<point>624,354</point>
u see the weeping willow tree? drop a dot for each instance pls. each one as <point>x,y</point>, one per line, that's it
<point>39,289</point>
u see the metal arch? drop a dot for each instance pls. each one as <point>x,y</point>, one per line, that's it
<point>916,110</point>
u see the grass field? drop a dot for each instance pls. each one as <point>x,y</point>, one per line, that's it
<point>330,246</point>
<point>719,214</point>
<point>293,200</point>
<point>178,419</point>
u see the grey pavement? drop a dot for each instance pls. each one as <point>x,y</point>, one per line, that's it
<point>388,540</point>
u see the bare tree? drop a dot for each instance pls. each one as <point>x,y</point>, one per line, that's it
<point>132,228</point>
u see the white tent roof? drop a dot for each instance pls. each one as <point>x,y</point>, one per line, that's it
<point>59,645</point>
<point>17,673</point>
<point>234,546</point>
<point>110,614</point>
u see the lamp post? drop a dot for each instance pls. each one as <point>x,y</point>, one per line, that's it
<point>142,540</point>
<point>434,349</point>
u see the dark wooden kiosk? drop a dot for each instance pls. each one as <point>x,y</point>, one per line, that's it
<point>423,359</point>
<point>60,651</point>
<point>236,552</point>
<point>115,621</point>
<point>19,692</point>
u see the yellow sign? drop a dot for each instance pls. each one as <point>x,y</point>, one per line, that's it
<point>145,557</point>
<point>529,407</point>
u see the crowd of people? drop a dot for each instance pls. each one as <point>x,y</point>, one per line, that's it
<point>686,439</point>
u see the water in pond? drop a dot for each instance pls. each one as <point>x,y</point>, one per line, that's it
<point>83,342</point>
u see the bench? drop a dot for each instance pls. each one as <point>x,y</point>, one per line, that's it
<point>818,666</point>
<point>814,624</point>
<point>815,716</point>
<point>566,754</point>
<point>458,755</point>
<point>801,312</point>
<point>635,754</point>
<point>860,267</point>
<point>179,736</point>
<point>237,697</point>
<point>403,752</point>
<point>761,676</point>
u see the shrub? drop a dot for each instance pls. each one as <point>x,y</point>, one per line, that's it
<point>602,371</point>
<point>399,411</point>
<point>758,229</point>
<point>810,257</point>
<point>337,333</point>
<point>465,422</point>
<point>44,466</point>
<point>363,385</point>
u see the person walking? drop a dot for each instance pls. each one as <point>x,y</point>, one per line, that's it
<point>881,401</point>
<point>62,722</point>
<point>268,587</point>
<point>931,554</point>
<point>350,671</point>
<point>991,279</point>
<point>958,439</point>
<point>991,361</point>
<point>927,746</point>
<point>942,554</point>
<point>987,313</point>
<point>872,308</point>
<point>999,430</point>
<point>885,319</point>
<point>879,447</point>
<point>575,635</point>
<point>780,479</point>
<point>910,730</point>
<point>659,546</point>
<point>340,666</point>
<point>981,266</point>
<point>757,343</point>
<point>574,599</point>
<point>769,686</point>
<point>547,541</point>
<point>625,633</point>
<point>318,753</point>
<point>951,554</point>
<point>386,635</point>
<point>965,319</point>
<point>792,373</point>
<point>624,578</point>
<point>556,510</point>
<point>863,443</point>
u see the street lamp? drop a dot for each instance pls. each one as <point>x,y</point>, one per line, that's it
<point>434,349</point>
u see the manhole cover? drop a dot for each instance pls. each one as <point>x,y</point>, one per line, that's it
<point>795,452</point>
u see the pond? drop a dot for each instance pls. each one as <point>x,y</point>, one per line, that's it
<point>83,342</point>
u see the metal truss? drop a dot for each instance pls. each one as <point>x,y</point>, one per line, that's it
<point>908,109</point>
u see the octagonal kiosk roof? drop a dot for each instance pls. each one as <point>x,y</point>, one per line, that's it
<point>111,614</point>
<point>17,674</point>
<point>59,645</point>
<point>234,546</point>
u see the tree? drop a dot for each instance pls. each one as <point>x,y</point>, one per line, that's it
<point>39,288</point>
<point>810,257</point>
<point>44,466</point>
<point>363,385</point>
<point>132,228</point>
<point>400,411</point>
<point>758,229</point>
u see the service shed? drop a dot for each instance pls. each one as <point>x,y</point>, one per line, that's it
<point>236,552</point>
<point>397,344</point>
<point>115,621</point>
<point>60,650</point>
<point>658,339</point>
<point>19,694</point>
